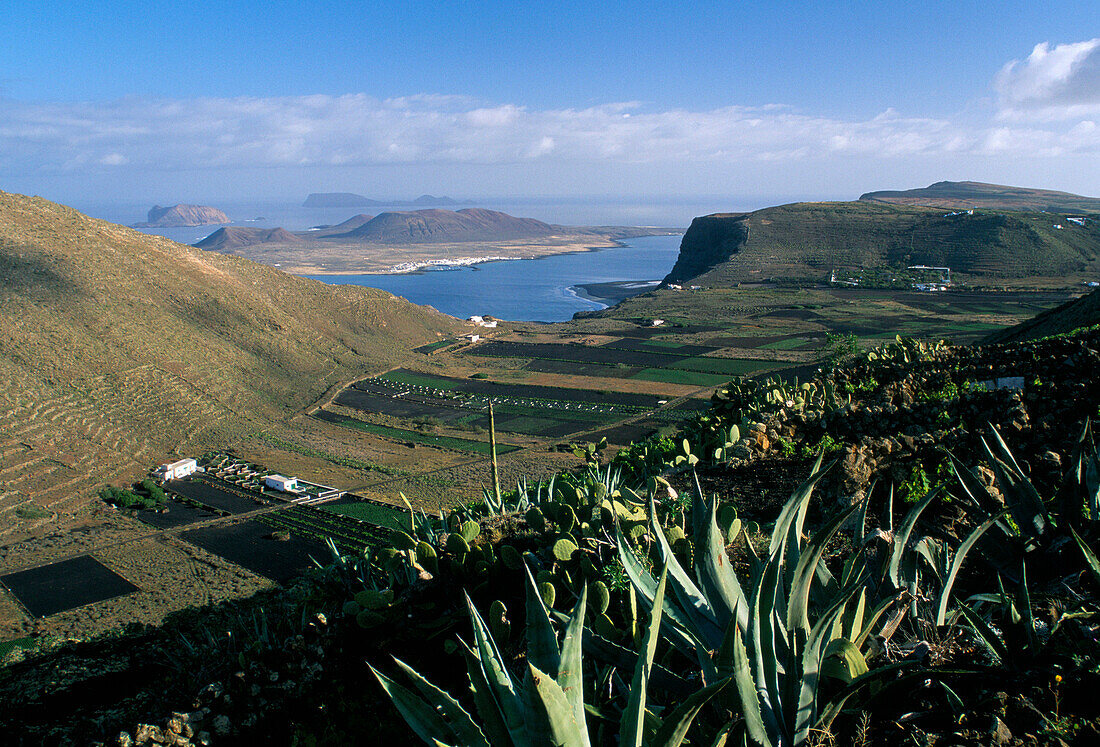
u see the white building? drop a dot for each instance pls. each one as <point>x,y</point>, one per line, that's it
<point>472,338</point>
<point>282,484</point>
<point>476,319</point>
<point>176,470</point>
<point>656,322</point>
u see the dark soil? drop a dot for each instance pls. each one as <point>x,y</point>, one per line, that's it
<point>249,544</point>
<point>66,585</point>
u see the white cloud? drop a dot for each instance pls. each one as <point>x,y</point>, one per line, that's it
<point>168,135</point>
<point>1060,82</point>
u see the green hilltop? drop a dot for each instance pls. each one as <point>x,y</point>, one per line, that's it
<point>965,195</point>
<point>806,241</point>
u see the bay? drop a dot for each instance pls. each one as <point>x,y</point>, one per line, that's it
<point>530,290</point>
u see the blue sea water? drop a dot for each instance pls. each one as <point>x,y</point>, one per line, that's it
<point>537,290</point>
<point>520,290</point>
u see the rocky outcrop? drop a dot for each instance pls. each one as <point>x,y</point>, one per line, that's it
<point>709,241</point>
<point>182,216</point>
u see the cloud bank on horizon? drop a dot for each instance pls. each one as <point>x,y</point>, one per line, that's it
<point>1046,107</point>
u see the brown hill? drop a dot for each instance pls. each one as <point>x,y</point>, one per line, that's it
<point>428,226</point>
<point>339,229</point>
<point>183,215</point>
<point>1075,314</point>
<point>966,195</point>
<point>232,237</point>
<point>118,349</point>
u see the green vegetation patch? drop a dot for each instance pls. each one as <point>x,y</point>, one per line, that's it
<point>428,439</point>
<point>673,376</point>
<point>383,516</point>
<point>416,379</point>
<point>788,344</point>
<point>724,366</point>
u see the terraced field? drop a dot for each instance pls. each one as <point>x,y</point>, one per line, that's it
<point>53,447</point>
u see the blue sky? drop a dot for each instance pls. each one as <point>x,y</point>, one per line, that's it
<point>273,100</point>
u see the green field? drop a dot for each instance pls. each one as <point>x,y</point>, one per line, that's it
<point>393,518</point>
<point>672,376</point>
<point>723,366</point>
<point>790,344</point>
<point>428,439</point>
<point>414,379</point>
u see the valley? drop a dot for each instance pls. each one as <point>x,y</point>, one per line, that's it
<point>387,402</point>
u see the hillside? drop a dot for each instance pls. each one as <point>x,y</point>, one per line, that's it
<point>183,215</point>
<point>118,349</point>
<point>470,224</point>
<point>232,237</point>
<point>966,195</point>
<point>1075,314</point>
<point>807,240</point>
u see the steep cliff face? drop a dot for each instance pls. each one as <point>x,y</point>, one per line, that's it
<point>708,242</point>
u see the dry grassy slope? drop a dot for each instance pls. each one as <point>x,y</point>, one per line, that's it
<point>1080,312</point>
<point>118,349</point>
<point>807,240</point>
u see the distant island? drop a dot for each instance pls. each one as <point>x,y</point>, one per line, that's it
<point>966,195</point>
<point>349,199</point>
<point>183,215</point>
<point>405,241</point>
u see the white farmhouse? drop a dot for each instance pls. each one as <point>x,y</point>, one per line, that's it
<point>282,484</point>
<point>176,470</point>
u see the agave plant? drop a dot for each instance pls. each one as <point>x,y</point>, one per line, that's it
<point>546,706</point>
<point>777,632</point>
<point>1038,528</point>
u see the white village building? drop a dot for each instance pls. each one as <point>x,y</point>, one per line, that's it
<point>282,484</point>
<point>176,470</point>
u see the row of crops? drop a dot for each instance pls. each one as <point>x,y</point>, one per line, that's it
<point>349,533</point>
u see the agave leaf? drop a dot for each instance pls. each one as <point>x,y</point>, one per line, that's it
<point>793,513</point>
<point>901,539</point>
<point>810,668</point>
<point>501,685</point>
<point>715,573</point>
<point>674,727</point>
<point>542,644</point>
<point>694,603</point>
<point>422,718</point>
<point>492,720</point>
<point>571,674</point>
<point>633,721</point>
<point>747,691</point>
<point>842,660</point>
<point>462,725</point>
<point>1090,557</point>
<point>870,622</point>
<point>763,645</point>
<point>985,631</point>
<point>564,731</point>
<point>956,564</point>
<point>1020,495</point>
<point>798,610</point>
<point>677,627</point>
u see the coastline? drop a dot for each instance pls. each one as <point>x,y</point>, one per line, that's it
<point>613,292</point>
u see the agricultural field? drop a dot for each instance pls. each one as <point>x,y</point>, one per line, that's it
<point>351,530</point>
<point>58,587</point>
<point>250,544</point>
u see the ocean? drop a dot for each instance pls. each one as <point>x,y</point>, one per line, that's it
<point>544,290</point>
